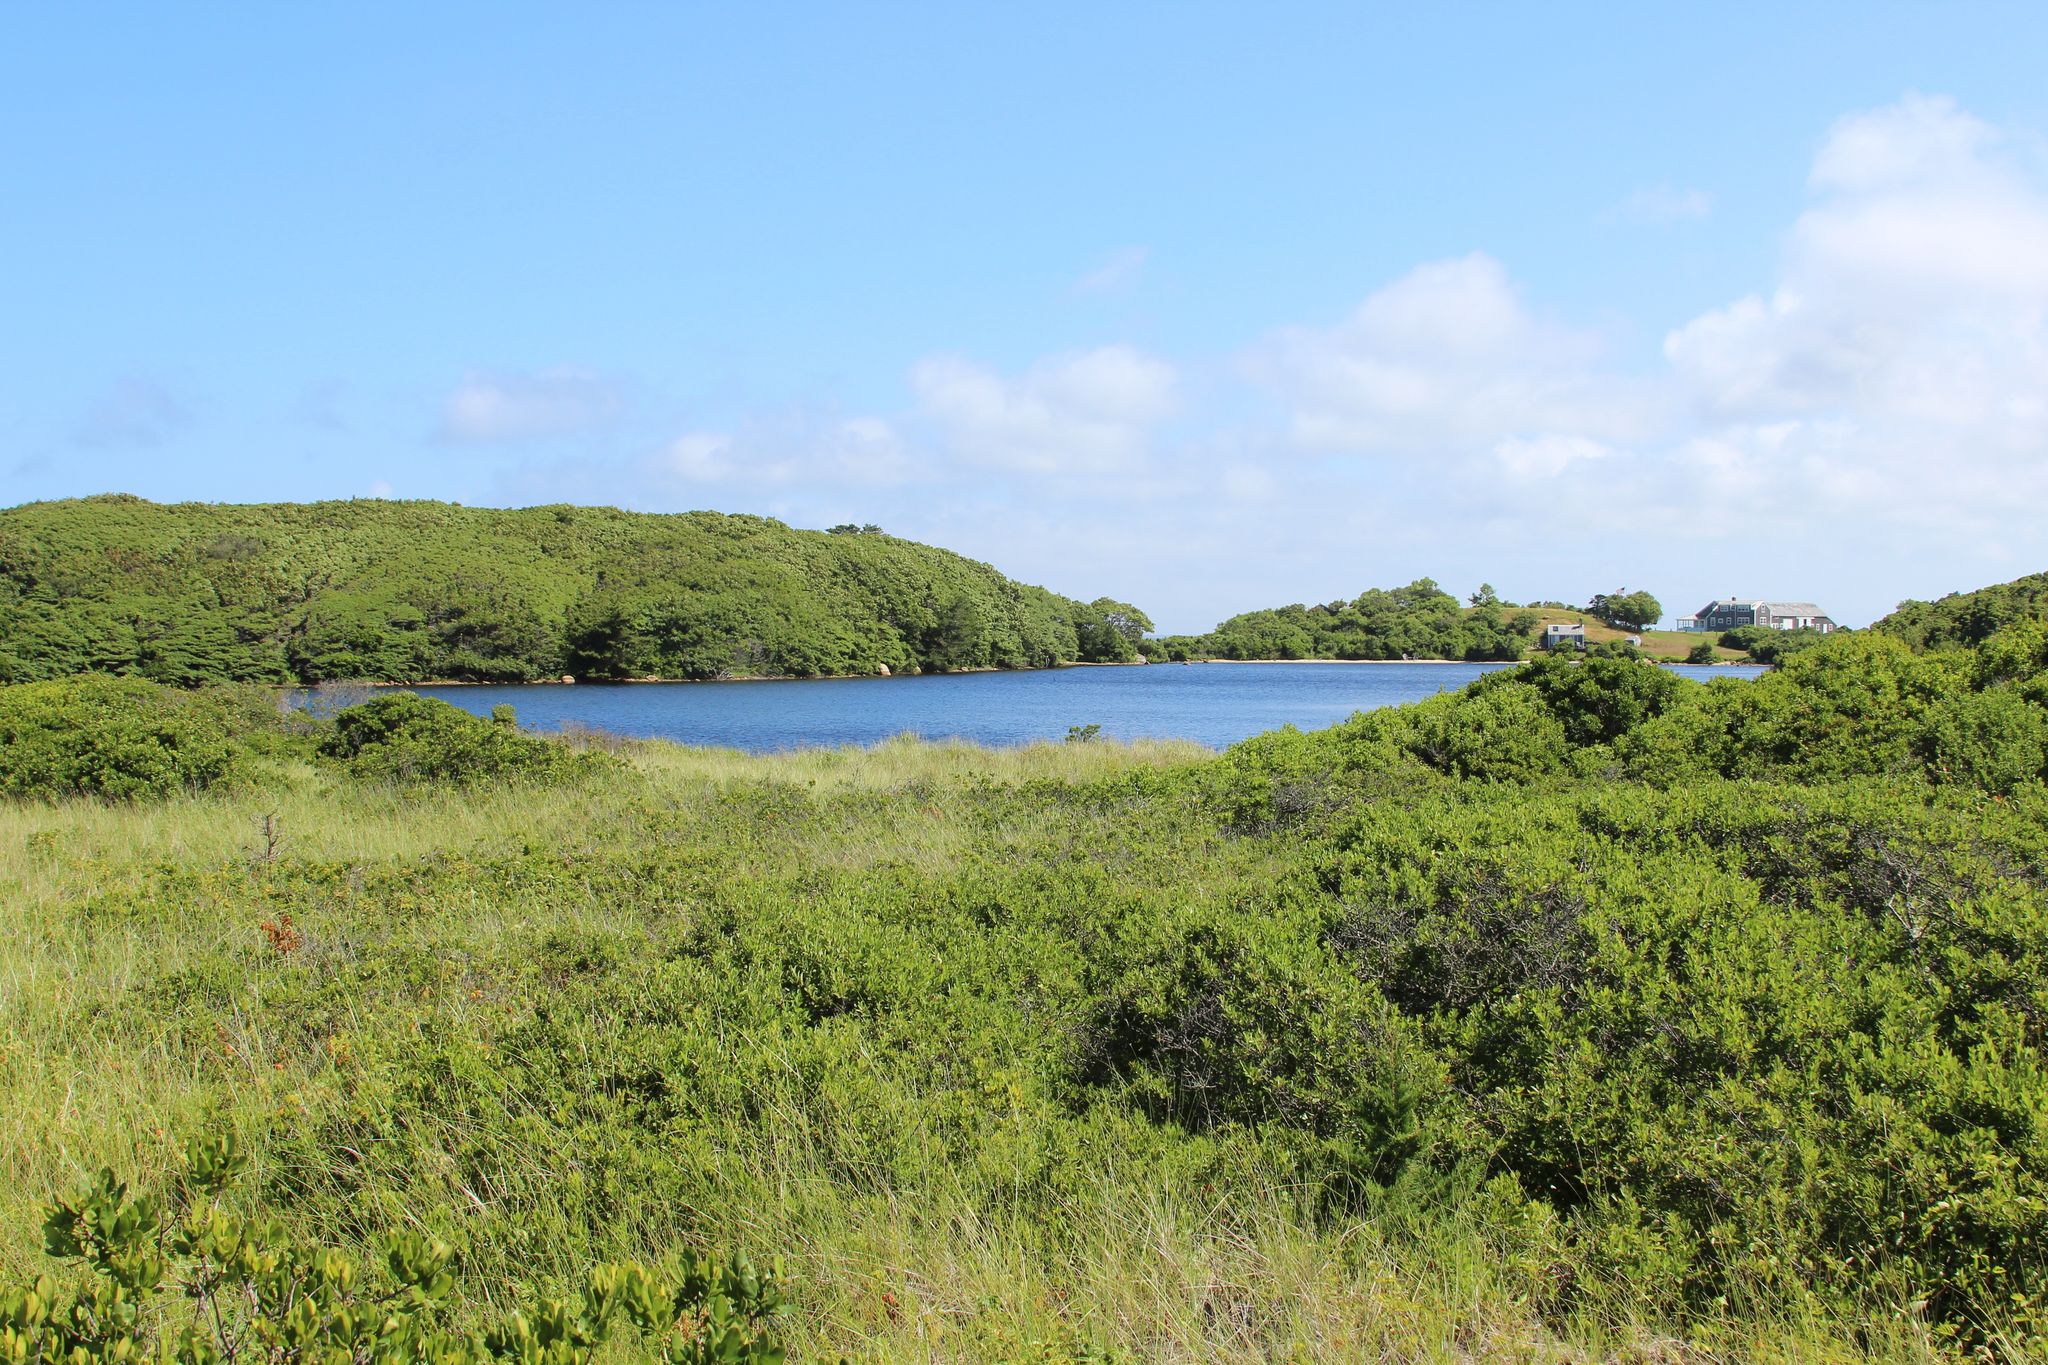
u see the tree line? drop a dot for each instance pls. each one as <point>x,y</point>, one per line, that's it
<point>1419,621</point>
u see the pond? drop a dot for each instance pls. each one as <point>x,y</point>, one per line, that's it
<point>1216,704</point>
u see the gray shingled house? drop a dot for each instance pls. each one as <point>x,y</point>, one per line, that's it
<point>1729,613</point>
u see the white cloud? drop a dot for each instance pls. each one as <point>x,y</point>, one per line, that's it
<point>492,409</point>
<point>1089,412</point>
<point>1923,139</point>
<point>1900,361</point>
<point>1445,358</point>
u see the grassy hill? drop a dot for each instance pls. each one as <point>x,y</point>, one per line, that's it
<point>1667,646</point>
<point>409,591</point>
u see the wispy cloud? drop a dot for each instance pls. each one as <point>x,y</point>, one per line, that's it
<point>1083,412</point>
<point>1663,204</point>
<point>505,408</point>
<point>797,449</point>
<point>1119,274</point>
<point>1443,358</point>
<point>133,413</point>
<point>324,407</point>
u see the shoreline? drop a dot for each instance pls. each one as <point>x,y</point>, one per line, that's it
<point>566,681</point>
<point>1397,663</point>
<point>1400,663</point>
<point>951,672</point>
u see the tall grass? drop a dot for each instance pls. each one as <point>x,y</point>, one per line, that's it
<point>449,942</point>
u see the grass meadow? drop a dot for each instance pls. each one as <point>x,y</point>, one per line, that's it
<point>813,1006</point>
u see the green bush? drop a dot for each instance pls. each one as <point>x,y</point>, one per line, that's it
<point>1768,644</point>
<point>120,738</point>
<point>249,1291</point>
<point>1992,740</point>
<point>1230,1020</point>
<point>1502,733</point>
<point>1598,699</point>
<point>406,738</point>
<point>1856,705</point>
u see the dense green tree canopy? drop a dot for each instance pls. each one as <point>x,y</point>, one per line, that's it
<point>1968,619</point>
<point>1625,610</point>
<point>409,591</point>
<point>1420,621</point>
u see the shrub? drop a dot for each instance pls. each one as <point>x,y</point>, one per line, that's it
<point>120,738</point>
<point>1991,740</point>
<point>1502,733</point>
<point>1599,700</point>
<point>1768,644</point>
<point>1858,704</point>
<point>404,737</point>
<point>1228,1019</point>
<point>254,1293</point>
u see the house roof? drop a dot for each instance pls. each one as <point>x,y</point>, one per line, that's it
<point>1774,608</point>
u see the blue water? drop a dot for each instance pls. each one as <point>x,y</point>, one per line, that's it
<point>1213,704</point>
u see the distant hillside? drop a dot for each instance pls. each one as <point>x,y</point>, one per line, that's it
<point>408,591</point>
<point>1420,621</point>
<point>1963,620</point>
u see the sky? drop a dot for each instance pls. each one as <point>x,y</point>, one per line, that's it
<point>1202,307</point>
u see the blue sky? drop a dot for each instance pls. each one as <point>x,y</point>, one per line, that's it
<point>1204,307</point>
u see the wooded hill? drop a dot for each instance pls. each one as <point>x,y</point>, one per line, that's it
<point>1420,621</point>
<point>1965,620</point>
<point>194,593</point>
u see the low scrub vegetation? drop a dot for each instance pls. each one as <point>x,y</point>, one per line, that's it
<point>249,1292</point>
<point>122,738</point>
<point>404,737</point>
<point>1587,1014</point>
